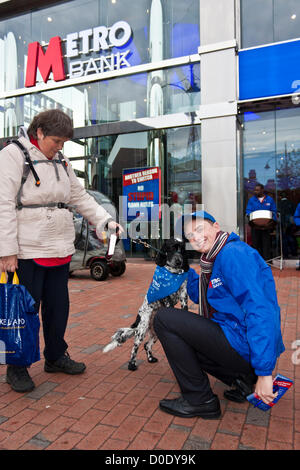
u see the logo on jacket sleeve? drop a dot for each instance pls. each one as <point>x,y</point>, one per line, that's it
<point>213,283</point>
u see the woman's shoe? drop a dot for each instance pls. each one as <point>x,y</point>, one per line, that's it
<point>65,364</point>
<point>19,379</point>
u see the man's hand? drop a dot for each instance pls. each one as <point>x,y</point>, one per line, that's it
<point>9,263</point>
<point>264,388</point>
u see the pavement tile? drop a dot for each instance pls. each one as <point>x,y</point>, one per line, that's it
<point>131,426</point>
<point>205,429</point>
<point>275,445</point>
<point>159,422</point>
<point>173,439</point>
<point>146,407</point>
<point>232,422</point>
<point>48,414</point>
<point>258,417</point>
<point>16,406</point>
<point>117,415</point>
<point>3,436</point>
<point>95,438</point>
<point>281,429</point>
<point>18,420</point>
<point>297,441</point>
<point>56,428</point>
<point>254,436</point>
<point>80,407</point>
<point>113,444</point>
<point>65,442</point>
<point>41,390</point>
<point>15,440</point>
<point>145,441</point>
<point>223,441</point>
<point>196,444</point>
<point>135,396</point>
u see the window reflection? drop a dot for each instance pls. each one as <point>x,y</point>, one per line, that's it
<point>269,21</point>
<point>184,166</point>
<point>119,99</point>
<point>271,150</point>
<point>161,30</point>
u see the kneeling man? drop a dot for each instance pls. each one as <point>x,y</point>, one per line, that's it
<point>237,336</point>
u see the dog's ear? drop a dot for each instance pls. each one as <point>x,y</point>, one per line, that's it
<point>161,259</point>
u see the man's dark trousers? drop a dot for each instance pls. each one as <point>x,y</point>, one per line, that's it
<point>49,288</point>
<point>261,241</point>
<point>195,346</point>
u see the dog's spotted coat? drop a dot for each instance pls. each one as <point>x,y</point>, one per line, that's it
<point>174,258</point>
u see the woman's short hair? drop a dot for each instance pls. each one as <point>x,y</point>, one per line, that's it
<point>52,122</point>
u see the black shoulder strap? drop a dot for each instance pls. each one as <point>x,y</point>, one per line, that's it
<point>63,162</point>
<point>27,160</point>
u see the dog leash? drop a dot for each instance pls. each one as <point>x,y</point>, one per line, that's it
<point>147,245</point>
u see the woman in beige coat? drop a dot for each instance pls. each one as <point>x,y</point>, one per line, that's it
<point>37,231</point>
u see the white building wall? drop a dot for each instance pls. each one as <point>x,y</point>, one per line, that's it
<point>218,45</point>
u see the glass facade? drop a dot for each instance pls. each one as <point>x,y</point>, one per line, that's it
<point>104,160</point>
<point>107,36</point>
<point>271,151</point>
<point>117,99</point>
<point>159,31</point>
<point>268,21</point>
<point>270,140</point>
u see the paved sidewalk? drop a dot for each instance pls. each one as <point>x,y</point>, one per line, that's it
<point>111,408</point>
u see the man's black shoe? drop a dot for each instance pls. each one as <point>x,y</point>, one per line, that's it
<point>65,364</point>
<point>181,407</point>
<point>19,379</point>
<point>242,388</point>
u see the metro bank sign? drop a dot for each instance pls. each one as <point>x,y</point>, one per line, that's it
<point>88,41</point>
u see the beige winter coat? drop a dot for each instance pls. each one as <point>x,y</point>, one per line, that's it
<point>40,232</point>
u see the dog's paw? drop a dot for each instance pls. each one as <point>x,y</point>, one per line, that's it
<point>132,366</point>
<point>152,359</point>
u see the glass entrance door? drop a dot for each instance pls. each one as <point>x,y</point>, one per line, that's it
<point>271,157</point>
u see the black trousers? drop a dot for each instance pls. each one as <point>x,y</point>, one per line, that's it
<point>261,241</point>
<point>49,288</point>
<point>195,346</point>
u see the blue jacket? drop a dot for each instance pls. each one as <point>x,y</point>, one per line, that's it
<point>297,215</point>
<point>268,204</point>
<point>242,291</point>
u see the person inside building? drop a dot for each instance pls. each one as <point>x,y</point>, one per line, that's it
<point>37,230</point>
<point>297,222</point>
<point>235,338</point>
<point>286,209</point>
<point>261,235</point>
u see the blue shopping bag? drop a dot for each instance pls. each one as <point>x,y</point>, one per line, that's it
<point>19,324</point>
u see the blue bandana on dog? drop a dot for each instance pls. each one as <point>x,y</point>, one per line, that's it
<point>164,283</point>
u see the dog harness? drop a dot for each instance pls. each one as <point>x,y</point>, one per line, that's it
<point>164,283</point>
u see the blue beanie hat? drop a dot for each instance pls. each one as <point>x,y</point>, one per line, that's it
<point>201,215</point>
<point>194,215</point>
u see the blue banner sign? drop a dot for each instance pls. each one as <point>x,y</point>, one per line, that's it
<point>269,70</point>
<point>142,193</point>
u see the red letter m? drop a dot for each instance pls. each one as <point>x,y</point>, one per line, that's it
<point>52,60</point>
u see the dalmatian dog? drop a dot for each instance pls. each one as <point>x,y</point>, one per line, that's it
<point>168,287</point>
